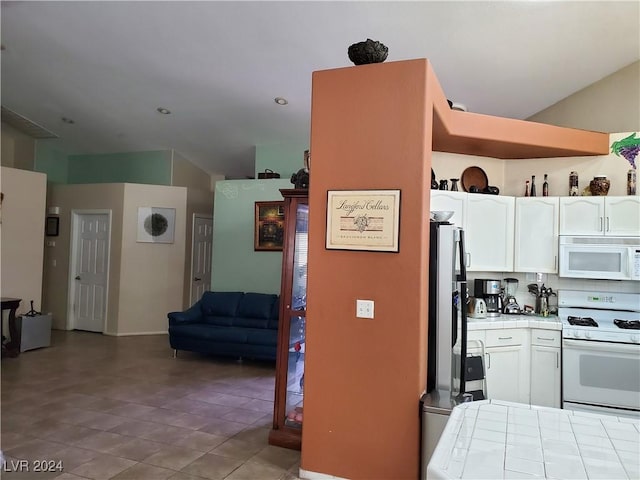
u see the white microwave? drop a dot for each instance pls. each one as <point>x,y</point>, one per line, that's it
<point>608,258</point>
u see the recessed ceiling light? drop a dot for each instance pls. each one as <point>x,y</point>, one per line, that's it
<point>281,100</point>
<point>163,110</point>
<point>68,120</point>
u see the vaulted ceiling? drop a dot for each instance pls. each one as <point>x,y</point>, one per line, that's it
<point>217,66</point>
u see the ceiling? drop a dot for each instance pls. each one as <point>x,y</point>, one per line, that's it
<point>217,66</point>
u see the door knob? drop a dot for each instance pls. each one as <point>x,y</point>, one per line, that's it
<point>77,277</point>
<point>196,279</point>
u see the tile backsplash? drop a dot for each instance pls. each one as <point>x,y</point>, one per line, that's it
<point>556,283</point>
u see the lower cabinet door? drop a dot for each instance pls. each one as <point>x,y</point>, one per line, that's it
<point>545,376</point>
<point>507,378</point>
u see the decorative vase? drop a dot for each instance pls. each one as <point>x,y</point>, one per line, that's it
<point>599,185</point>
<point>370,51</point>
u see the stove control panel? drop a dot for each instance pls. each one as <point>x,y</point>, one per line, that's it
<point>599,335</point>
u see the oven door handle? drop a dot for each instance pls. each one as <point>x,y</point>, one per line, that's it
<point>600,346</point>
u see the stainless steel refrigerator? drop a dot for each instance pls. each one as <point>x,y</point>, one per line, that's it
<point>447,328</point>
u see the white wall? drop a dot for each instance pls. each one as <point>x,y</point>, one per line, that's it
<point>451,165</point>
<point>614,167</point>
<point>609,105</point>
<point>18,149</point>
<point>145,279</point>
<point>21,234</point>
<point>199,200</point>
<point>510,175</point>
<point>151,274</point>
<point>107,196</point>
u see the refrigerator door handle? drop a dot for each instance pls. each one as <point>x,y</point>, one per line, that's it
<point>459,238</point>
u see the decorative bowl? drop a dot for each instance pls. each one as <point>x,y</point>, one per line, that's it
<point>370,51</point>
<point>441,215</point>
<point>599,185</point>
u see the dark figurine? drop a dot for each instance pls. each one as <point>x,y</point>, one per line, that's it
<point>300,179</point>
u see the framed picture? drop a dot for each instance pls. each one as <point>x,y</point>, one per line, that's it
<point>366,220</point>
<point>156,224</point>
<point>269,226</point>
<point>52,227</point>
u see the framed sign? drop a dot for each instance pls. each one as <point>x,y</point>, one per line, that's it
<point>52,227</point>
<point>269,226</point>
<point>156,224</point>
<point>366,220</point>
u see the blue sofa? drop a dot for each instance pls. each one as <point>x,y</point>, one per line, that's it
<point>234,324</point>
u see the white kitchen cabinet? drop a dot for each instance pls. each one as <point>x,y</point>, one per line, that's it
<point>536,234</point>
<point>448,201</point>
<point>615,216</point>
<point>489,233</point>
<point>545,367</point>
<point>545,376</point>
<point>622,216</point>
<point>507,365</point>
<point>504,381</point>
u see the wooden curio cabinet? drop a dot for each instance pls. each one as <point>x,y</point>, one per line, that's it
<point>288,408</point>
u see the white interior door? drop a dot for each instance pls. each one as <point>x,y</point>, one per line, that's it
<point>201,256</point>
<point>90,270</point>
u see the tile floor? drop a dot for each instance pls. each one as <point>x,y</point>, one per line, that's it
<point>124,408</point>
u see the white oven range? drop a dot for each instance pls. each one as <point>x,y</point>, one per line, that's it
<point>600,351</point>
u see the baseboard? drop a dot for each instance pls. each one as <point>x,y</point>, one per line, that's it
<point>129,334</point>
<point>307,475</point>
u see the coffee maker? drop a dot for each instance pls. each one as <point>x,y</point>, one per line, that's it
<point>490,291</point>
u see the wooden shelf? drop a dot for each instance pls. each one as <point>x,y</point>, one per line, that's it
<point>484,135</point>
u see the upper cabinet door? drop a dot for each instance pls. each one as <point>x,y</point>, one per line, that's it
<point>489,233</point>
<point>536,234</point>
<point>448,201</point>
<point>582,216</point>
<point>622,216</point>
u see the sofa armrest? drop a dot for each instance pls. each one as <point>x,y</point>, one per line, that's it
<point>192,315</point>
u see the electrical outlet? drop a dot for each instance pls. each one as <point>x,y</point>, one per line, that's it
<point>364,308</point>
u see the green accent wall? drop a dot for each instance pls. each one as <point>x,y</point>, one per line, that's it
<point>284,159</point>
<point>132,167</point>
<point>236,266</point>
<point>51,160</point>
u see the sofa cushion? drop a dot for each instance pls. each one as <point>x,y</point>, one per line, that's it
<point>221,321</point>
<point>275,315</point>
<point>221,303</point>
<point>250,322</point>
<point>256,305</point>
<point>211,333</point>
<point>261,336</point>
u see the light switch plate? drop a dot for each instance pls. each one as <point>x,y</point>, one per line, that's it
<point>364,308</point>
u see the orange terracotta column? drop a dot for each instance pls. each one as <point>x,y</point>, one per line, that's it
<point>371,129</point>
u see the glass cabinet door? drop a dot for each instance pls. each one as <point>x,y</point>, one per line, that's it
<point>290,363</point>
<point>295,363</point>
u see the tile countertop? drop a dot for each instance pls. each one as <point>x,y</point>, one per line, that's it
<point>502,440</point>
<point>514,321</point>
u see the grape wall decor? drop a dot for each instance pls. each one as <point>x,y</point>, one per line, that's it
<point>156,224</point>
<point>627,148</point>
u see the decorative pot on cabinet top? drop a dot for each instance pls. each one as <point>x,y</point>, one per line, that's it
<point>599,185</point>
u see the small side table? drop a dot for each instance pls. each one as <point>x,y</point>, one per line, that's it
<point>11,348</point>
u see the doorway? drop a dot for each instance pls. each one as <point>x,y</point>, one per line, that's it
<point>89,270</point>
<point>202,241</point>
